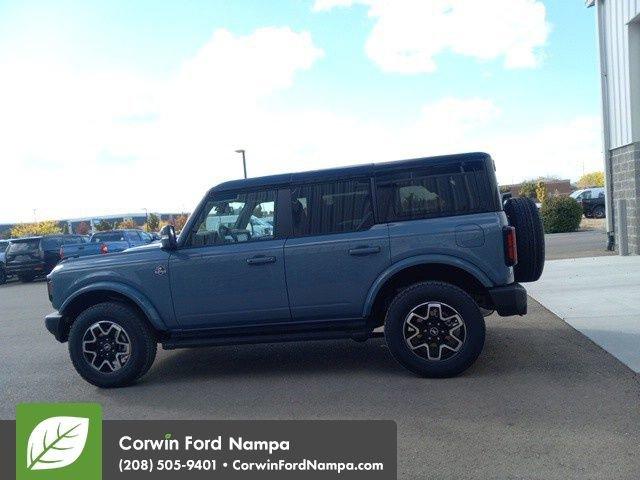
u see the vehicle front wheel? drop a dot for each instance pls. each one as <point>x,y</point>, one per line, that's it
<point>3,276</point>
<point>110,345</point>
<point>26,278</point>
<point>434,329</point>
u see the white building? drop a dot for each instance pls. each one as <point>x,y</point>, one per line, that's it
<point>619,45</point>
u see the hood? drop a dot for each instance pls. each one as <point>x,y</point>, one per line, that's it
<point>147,253</point>
<point>149,246</point>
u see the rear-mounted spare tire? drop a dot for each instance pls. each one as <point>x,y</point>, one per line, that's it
<point>524,216</point>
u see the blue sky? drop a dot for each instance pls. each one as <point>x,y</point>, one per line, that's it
<point>146,93</point>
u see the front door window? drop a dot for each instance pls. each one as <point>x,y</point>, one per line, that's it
<point>237,218</point>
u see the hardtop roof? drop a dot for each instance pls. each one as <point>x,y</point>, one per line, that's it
<point>39,237</point>
<point>348,171</point>
<point>117,230</point>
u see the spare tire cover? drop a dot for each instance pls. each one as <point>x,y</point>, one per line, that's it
<point>524,216</point>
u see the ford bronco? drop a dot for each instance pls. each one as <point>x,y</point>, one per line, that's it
<point>420,249</point>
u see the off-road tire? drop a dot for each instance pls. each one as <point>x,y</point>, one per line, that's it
<point>404,303</point>
<point>142,339</point>
<point>524,216</point>
<point>599,212</point>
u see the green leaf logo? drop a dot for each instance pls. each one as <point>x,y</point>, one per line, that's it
<point>56,442</point>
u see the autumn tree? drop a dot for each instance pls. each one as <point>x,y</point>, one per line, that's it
<point>103,226</point>
<point>127,223</point>
<point>153,223</point>
<point>593,179</point>
<point>38,228</point>
<point>541,191</point>
<point>179,222</point>
<point>528,189</point>
<point>83,228</point>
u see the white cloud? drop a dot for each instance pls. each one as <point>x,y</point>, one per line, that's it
<point>157,143</point>
<point>408,35</point>
<point>86,143</point>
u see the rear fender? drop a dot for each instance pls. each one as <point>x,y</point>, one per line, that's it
<point>465,265</point>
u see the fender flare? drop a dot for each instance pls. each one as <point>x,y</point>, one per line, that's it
<point>131,293</point>
<point>465,265</point>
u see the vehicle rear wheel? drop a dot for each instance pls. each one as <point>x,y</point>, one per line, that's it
<point>599,211</point>
<point>26,277</point>
<point>3,276</point>
<point>524,216</point>
<point>434,329</point>
<point>110,345</point>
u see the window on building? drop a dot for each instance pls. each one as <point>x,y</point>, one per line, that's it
<point>332,207</point>
<point>436,191</point>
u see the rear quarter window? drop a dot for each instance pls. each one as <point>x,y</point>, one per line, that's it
<point>24,246</point>
<point>108,237</point>
<point>437,191</point>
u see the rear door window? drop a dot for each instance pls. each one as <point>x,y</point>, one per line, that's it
<point>332,207</point>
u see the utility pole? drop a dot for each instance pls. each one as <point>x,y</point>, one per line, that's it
<point>244,161</point>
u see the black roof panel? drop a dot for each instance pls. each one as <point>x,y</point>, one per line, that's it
<point>349,171</point>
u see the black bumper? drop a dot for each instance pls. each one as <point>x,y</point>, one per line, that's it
<point>56,325</point>
<point>509,300</point>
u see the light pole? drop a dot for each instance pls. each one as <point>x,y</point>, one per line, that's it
<point>244,161</point>
<point>146,215</point>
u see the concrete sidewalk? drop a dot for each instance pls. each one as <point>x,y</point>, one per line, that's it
<point>598,296</point>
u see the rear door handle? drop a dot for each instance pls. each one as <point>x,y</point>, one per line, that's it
<point>364,251</point>
<point>260,260</point>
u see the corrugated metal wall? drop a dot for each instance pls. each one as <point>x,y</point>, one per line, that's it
<point>617,14</point>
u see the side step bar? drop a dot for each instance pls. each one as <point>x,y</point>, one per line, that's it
<point>191,341</point>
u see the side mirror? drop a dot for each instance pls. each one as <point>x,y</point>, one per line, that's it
<point>168,237</point>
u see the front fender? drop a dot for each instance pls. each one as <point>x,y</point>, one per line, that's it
<point>465,265</point>
<point>131,293</point>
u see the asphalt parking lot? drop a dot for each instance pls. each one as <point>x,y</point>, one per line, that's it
<point>542,401</point>
<point>584,243</point>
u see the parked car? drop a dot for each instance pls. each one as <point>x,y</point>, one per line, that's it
<point>107,242</point>
<point>4,244</point>
<point>418,247</point>
<point>32,257</point>
<point>257,226</point>
<point>592,201</point>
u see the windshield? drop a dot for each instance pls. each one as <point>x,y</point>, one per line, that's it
<point>24,246</point>
<point>108,237</point>
<point>576,194</point>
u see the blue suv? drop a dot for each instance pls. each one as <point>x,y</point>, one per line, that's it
<point>422,248</point>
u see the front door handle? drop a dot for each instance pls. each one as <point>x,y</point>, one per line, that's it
<point>364,250</point>
<point>260,260</point>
